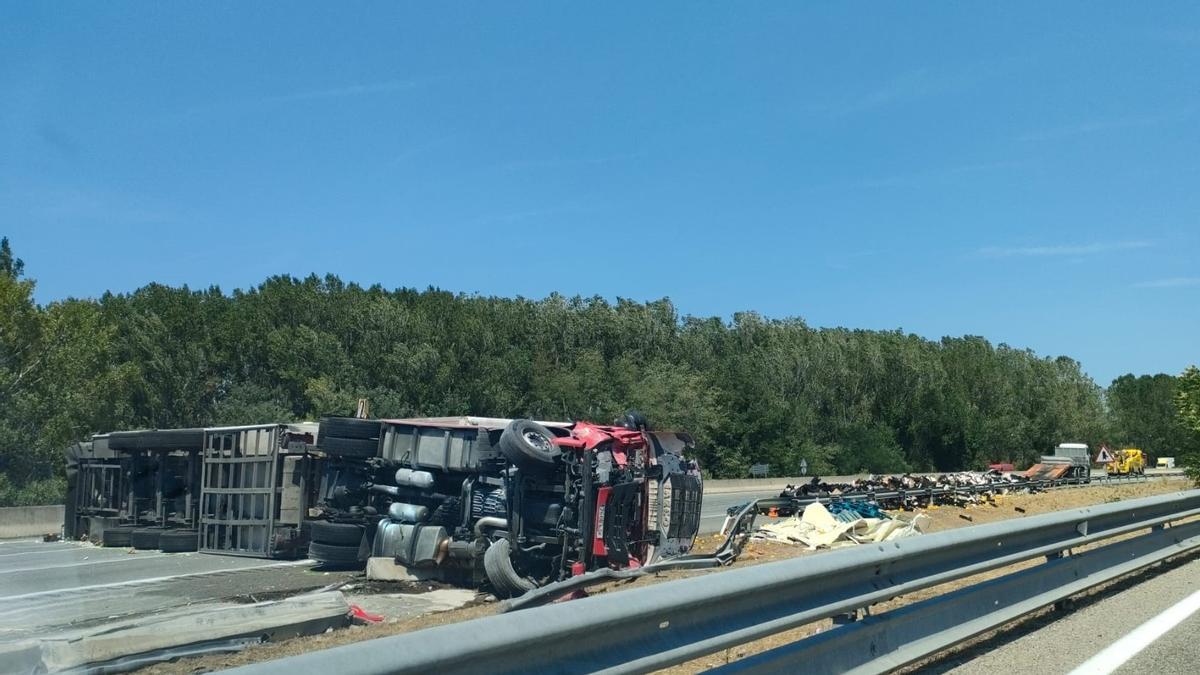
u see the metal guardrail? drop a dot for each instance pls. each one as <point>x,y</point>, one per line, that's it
<point>643,629</point>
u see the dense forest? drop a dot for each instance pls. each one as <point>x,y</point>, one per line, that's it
<point>751,389</point>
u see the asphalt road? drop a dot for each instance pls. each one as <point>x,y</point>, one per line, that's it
<point>51,588</point>
<point>48,587</point>
<point>714,506</point>
<point>1062,642</point>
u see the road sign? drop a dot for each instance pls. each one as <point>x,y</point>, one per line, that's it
<point>1104,457</point>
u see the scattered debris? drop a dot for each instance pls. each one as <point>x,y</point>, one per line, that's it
<point>362,617</point>
<point>818,527</point>
<point>862,509</point>
<point>906,492</point>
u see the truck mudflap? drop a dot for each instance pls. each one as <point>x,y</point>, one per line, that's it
<point>739,528</point>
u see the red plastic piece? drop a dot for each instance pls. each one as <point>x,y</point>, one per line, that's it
<point>363,616</point>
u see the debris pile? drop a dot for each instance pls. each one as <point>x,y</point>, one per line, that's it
<point>841,524</point>
<point>909,492</point>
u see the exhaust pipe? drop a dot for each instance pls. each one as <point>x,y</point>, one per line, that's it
<point>489,521</point>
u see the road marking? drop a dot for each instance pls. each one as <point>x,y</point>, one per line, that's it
<point>151,580</point>
<point>51,551</point>
<point>89,563</point>
<point>1143,636</point>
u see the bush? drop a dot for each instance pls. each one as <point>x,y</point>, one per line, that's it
<point>36,493</point>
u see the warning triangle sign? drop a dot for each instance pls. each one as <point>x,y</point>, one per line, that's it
<point>1105,456</point>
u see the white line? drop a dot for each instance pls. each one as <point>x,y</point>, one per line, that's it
<point>1125,648</point>
<point>89,563</point>
<point>151,580</point>
<point>6,556</point>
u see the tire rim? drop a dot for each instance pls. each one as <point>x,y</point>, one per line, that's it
<point>538,441</point>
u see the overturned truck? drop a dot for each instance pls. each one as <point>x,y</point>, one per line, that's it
<point>515,503</point>
<point>512,504</point>
<point>234,490</point>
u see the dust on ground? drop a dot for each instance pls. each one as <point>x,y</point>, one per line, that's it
<point>942,518</point>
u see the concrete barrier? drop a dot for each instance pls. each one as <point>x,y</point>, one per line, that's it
<point>717,486</point>
<point>761,484</point>
<point>30,521</point>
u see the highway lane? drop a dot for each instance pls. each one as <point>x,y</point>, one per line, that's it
<point>1174,652</point>
<point>1061,642</point>
<point>48,587</point>
<point>714,506</point>
<point>43,568</point>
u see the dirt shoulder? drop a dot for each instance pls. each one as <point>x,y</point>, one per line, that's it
<point>943,518</point>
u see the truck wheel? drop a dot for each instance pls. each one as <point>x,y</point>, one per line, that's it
<point>330,555</point>
<point>145,538</point>
<point>349,447</point>
<point>497,563</point>
<point>527,444</point>
<point>157,439</point>
<point>349,427</point>
<point>337,534</point>
<point>179,541</point>
<point>116,536</point>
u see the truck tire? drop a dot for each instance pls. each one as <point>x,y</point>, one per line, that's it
<point>157,439</point>
<point>330,555</point>
<point>116,536</point>
<point>497,563</point>
<point>349,447</point>
<point>179,541</point>
<point>349,427</point>
<point>527,444</point>
<point>145,538</point>
<point>336,534</point>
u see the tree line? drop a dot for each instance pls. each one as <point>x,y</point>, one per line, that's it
<point>750,389</point>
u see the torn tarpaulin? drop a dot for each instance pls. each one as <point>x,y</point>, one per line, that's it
<point>818,528</point>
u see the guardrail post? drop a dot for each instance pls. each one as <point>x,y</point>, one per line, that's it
<point>847,618</point>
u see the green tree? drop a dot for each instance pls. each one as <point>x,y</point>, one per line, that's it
<point>1143,413</point>
<point>10,266</point>
<point>1187,400</point>
<point>750,389</point>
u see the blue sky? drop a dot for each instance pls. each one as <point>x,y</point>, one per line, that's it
<point>1026,172</point>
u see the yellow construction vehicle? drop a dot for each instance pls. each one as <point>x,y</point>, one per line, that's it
<point>1128,461</point>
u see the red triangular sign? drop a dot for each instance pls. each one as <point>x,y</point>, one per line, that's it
<point>1105,456</point>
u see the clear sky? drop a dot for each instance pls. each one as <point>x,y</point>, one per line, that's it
<point>1024,171</point>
